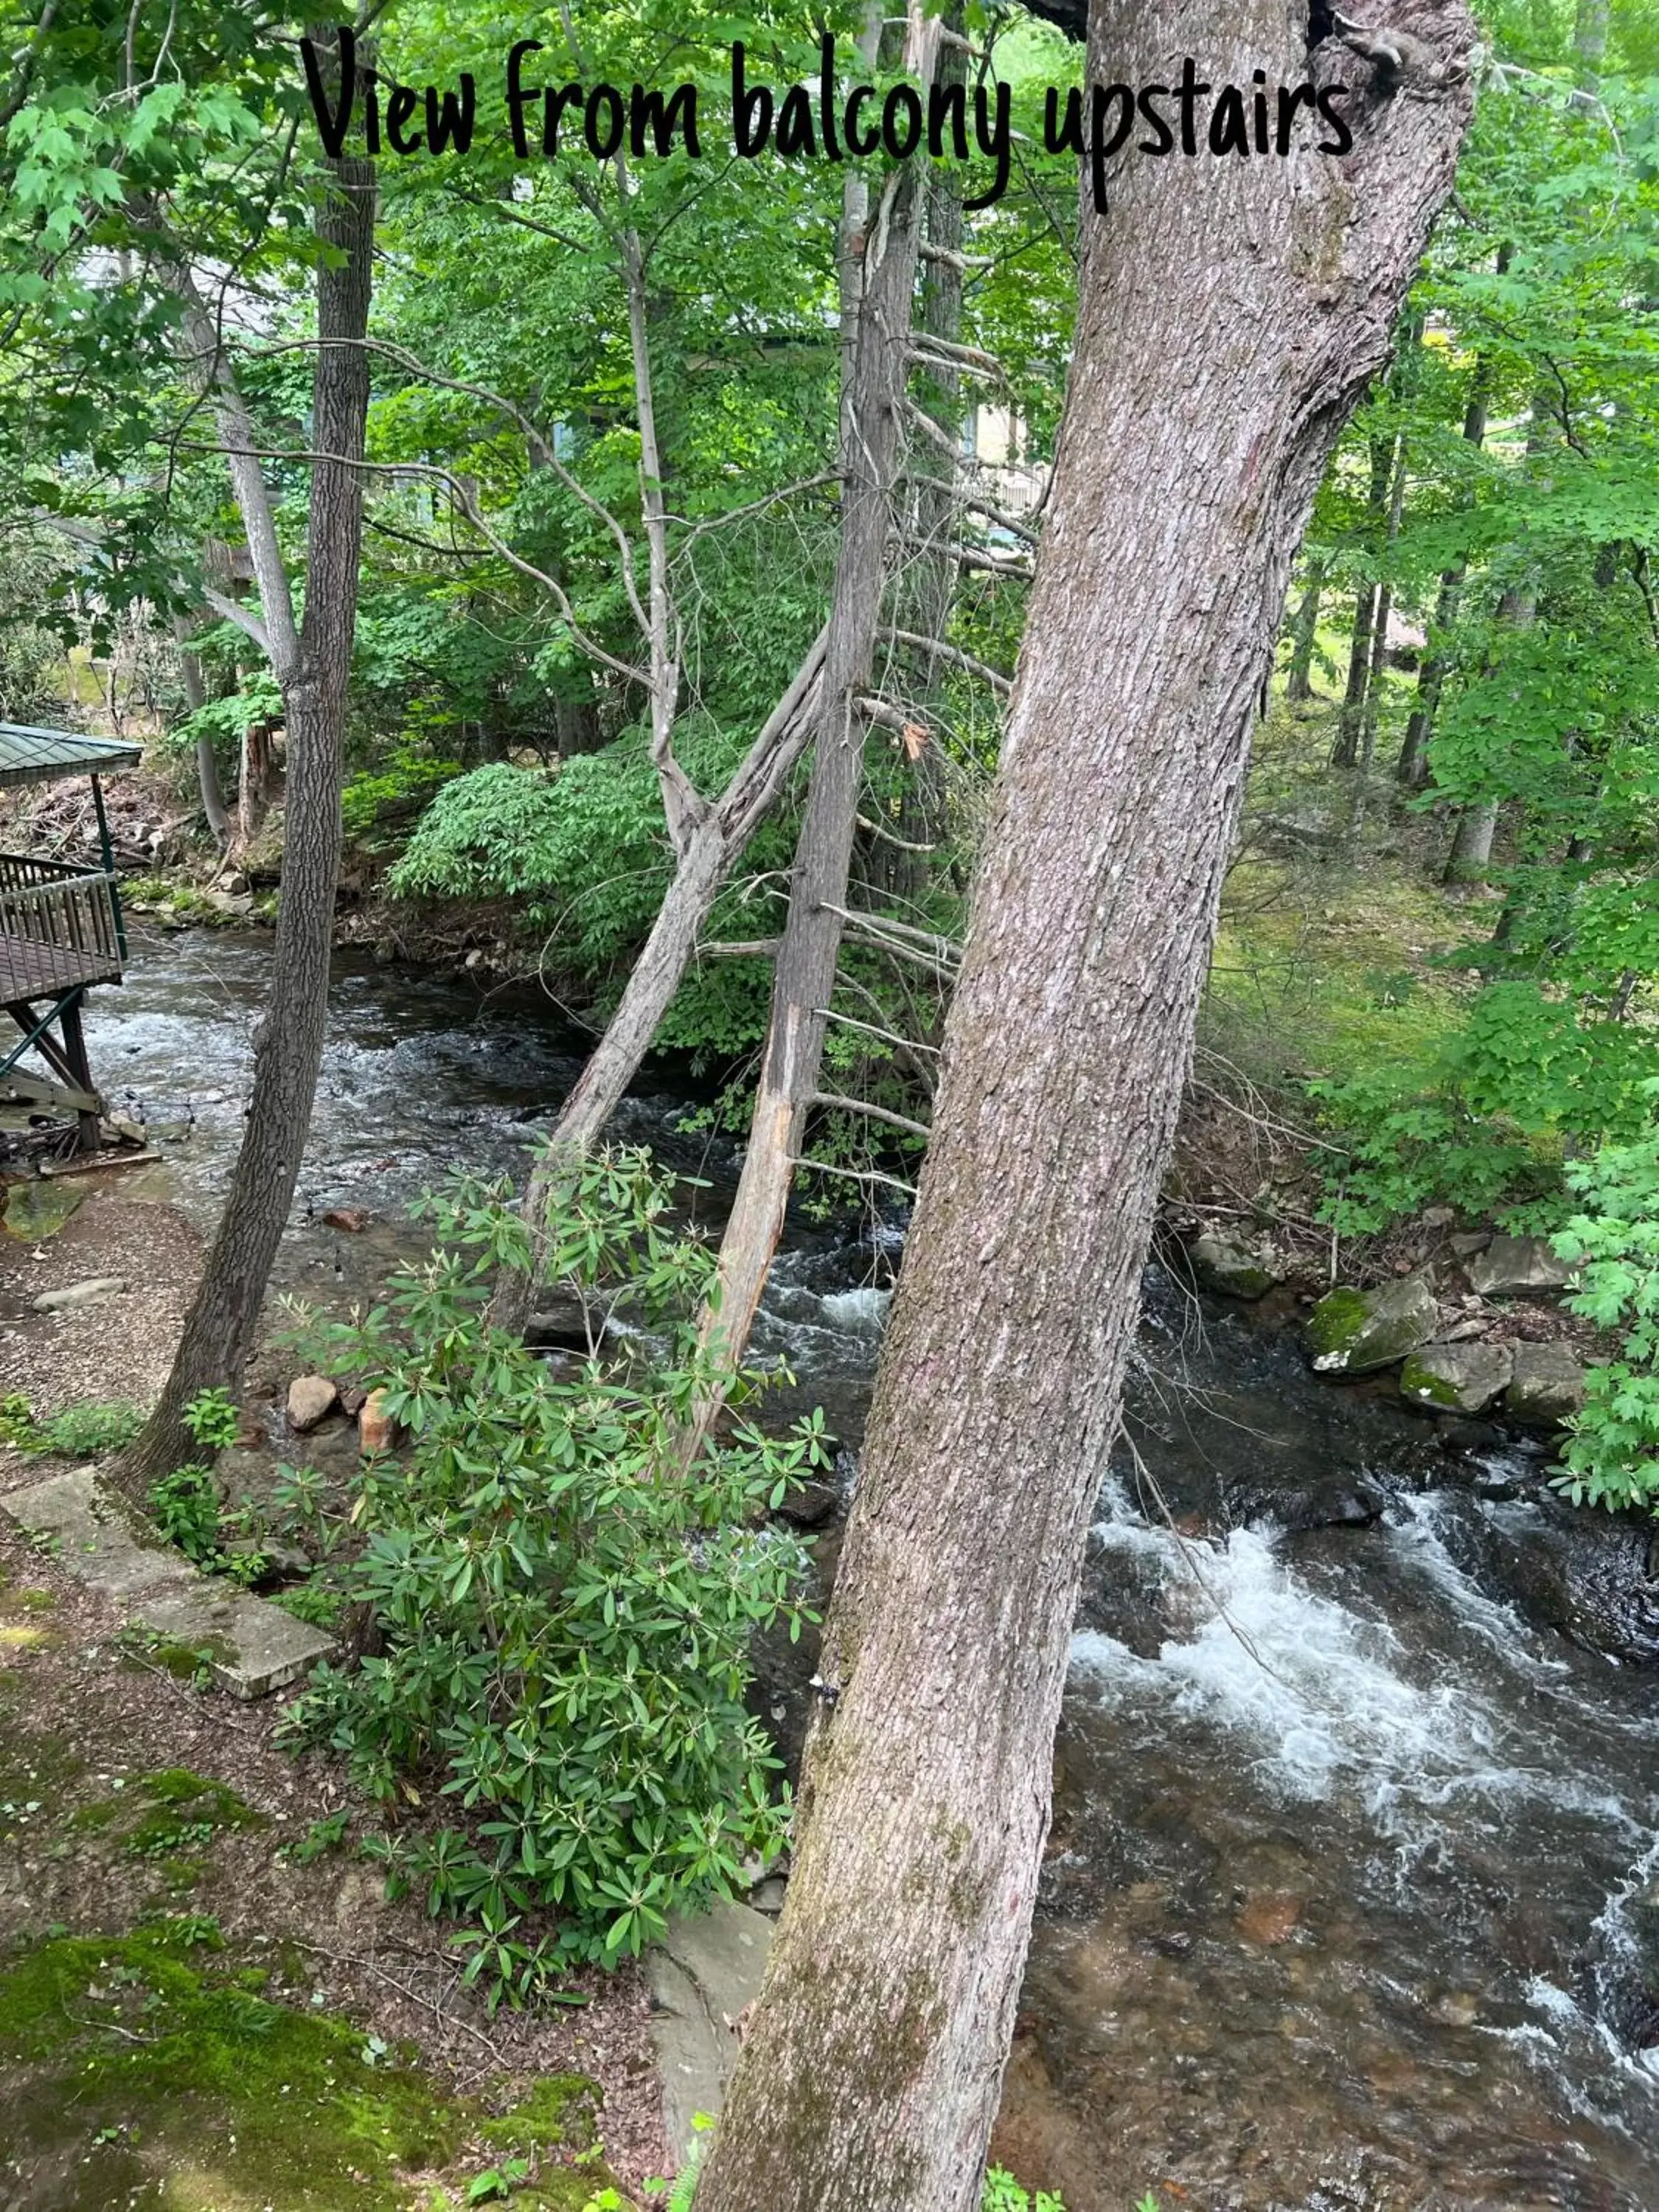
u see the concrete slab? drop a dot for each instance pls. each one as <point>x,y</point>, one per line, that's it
<point>255,1646</point>
<point>92,1536</point>
<point>702,1976</point>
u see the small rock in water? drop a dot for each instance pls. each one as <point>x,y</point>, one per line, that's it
<point>354,1219</point>
<point>1269,1916</point>
<point>1237,1266</point>
<point>809,1504</point>
<point>79,1294</point>
<point>1463,1378</point>
<point>309,1398</point>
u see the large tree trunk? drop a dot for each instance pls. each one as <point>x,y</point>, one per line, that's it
<point>221,1326</point>
<point>1230,315</point>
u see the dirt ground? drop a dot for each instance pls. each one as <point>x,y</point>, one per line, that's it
<point>83,1715</point>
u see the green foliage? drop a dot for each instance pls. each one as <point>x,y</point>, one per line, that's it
<point>1612,1454</point>
<point>93,1431</point>
<point>212,1418</point>
<point>185,1505</point>
<point>565,1614</point>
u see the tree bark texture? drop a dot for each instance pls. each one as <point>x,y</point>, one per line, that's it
<point>223,1318</point>
<point>1230,317</point>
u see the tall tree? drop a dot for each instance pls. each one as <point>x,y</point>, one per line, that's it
<point>311,658</point>
<point>1230,315</point>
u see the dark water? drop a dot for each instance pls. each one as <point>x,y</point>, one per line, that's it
<point>1352,1901</point>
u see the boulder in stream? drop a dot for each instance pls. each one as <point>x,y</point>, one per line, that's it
<point>1234,1264</point>
<point>1359,1332</point>
<point>1548,1387</point>
<point>1457,1378</point>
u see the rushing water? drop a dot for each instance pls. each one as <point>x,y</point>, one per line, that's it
<point>1353,1899</point>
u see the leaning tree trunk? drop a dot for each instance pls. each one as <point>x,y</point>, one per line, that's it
<point>1230,317</point>
<point>220,1328</point>
<point>803,977</point>
<point>207,765</point>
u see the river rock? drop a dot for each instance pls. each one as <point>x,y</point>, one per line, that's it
<point>354,1219</point>
<point>86,1293</point>
<point>375,1426</point>
<point>808,1504</point>
<point>1359,1332</point>
<point>1457,1378</point>
<point>309,1398</point>
<point>1548,1384</point>
<point>1511,1266</point>
<point>1237,1266</point>
<point>41,1207</point>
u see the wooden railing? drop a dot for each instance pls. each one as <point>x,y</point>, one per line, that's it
<point>57,927</point>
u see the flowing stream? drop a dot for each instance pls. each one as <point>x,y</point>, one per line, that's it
<point>1352,1897</point>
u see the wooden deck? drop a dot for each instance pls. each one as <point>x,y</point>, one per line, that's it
<point>57,928</point>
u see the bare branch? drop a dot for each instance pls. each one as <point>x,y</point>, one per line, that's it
<point>1002,685</point>
<point>832,1098</point>
<point>855,1174</point>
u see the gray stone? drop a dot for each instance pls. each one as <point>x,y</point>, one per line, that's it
<point>703,1976</point>
<point>1457,1378</point>
<point>1470,1240</point>
<point>1237,1266</point>
<point>86,1293</point>
<point>253,1647</point>
<point>809,1504</point>
<point>1511,1265</point>
<point>1356,1332</point>
<point>309,1398</point>
<point>1548,1384</point>
<point>91,1536</point>
<point>768,1896</point>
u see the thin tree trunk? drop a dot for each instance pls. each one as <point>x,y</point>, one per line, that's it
<point>1228,323</point>
<point>1411,769</point>
<point>803,978</point>
<point>1346,751</point>
<point>1304,631</point>
<point>207,765</point>
<point>1371,712</point>
<point>1470,858</point>
<point>220,1327</point>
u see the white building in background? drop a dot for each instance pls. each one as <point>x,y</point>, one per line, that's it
<point>993,447</point>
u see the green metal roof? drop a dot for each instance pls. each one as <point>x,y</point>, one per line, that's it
<point>28,756</point>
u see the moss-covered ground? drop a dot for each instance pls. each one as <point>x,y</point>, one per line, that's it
<point>145,2060</point>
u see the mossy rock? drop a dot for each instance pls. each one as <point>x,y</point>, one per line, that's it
<point>126,2059</point>
<point>39,1207</point>
<point>1458,1379</point>
<point>1359,1332</point>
